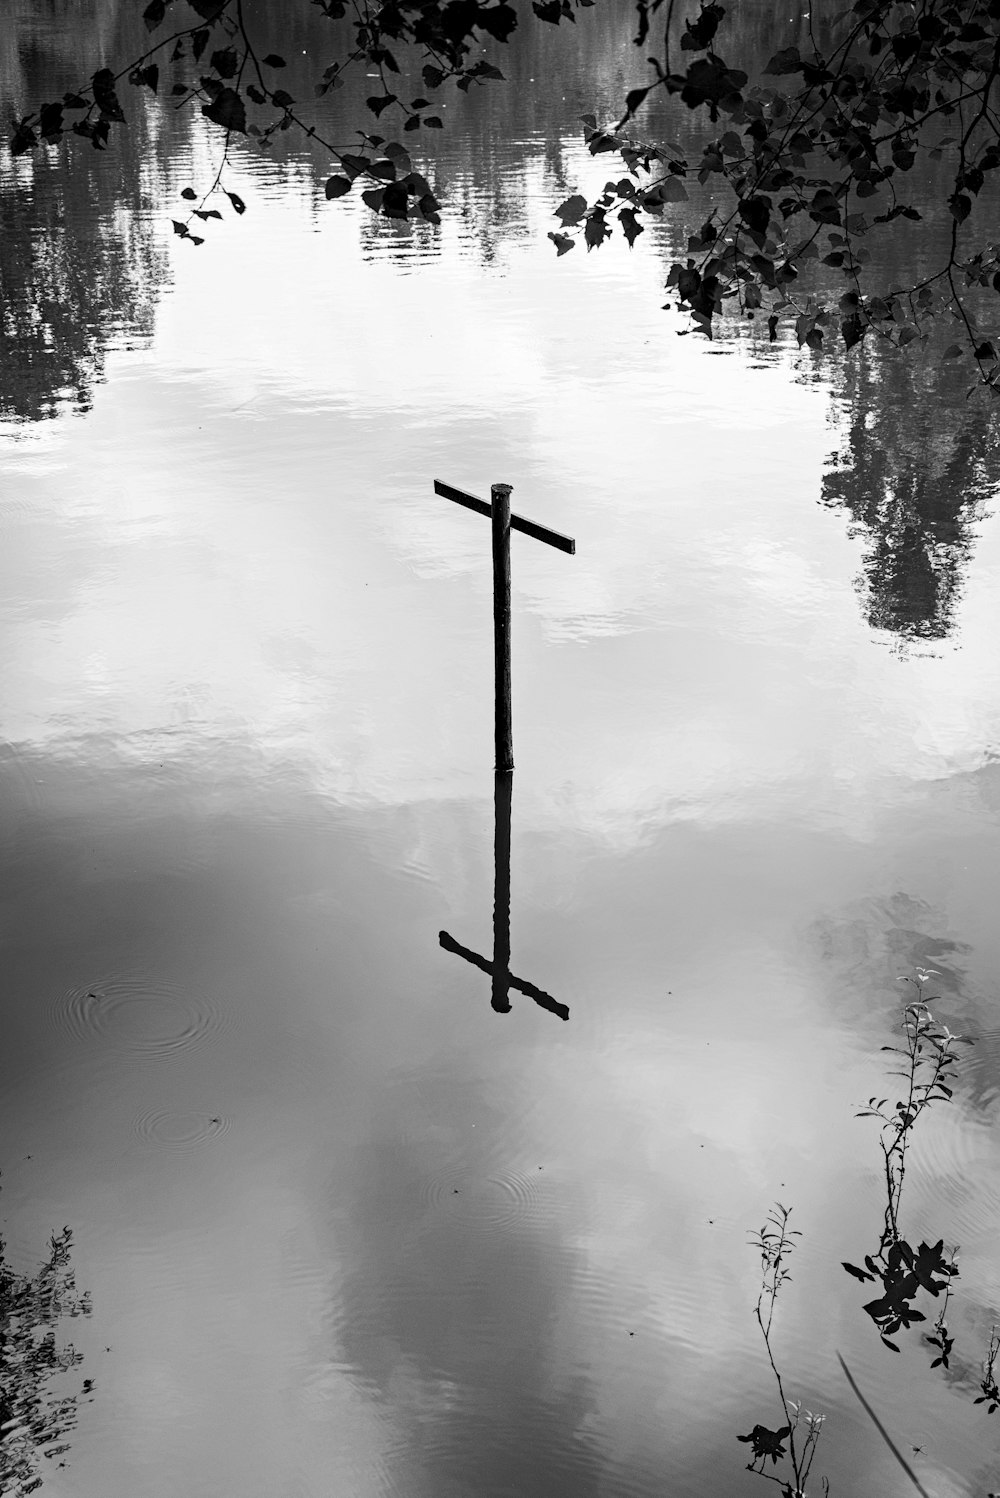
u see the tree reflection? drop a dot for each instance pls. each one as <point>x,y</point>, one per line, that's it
<point>916,467</point>
<point>36,1414</point>
<point>80,270</point>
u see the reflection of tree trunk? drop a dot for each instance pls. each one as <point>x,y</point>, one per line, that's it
<point>79,263</point>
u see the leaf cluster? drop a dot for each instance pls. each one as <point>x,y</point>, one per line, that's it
<point>214,63</point>
<point>930,1055</point>
<point>903,1272</point>
<point>35,1418</point>
<point>806,169</point>
<point>775,1241</point>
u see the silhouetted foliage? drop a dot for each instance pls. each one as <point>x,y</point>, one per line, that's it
<point>36,1413</point>
<point>929,1056</point>
<point>809,165</point>
<point>795,1441</point>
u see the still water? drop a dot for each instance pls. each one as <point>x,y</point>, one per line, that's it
<point>347,1229</point>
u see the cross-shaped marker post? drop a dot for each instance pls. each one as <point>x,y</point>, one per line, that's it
<point>498,970</point>
<point>503,522</point>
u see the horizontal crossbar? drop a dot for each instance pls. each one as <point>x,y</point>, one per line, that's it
<point>517,522</point>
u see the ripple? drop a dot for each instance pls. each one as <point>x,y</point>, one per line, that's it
<point>137,1015</point>
<point>180,1131</point>
<point>499,1201</point>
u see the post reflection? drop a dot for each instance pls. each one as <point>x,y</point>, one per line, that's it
<point>498,969</point>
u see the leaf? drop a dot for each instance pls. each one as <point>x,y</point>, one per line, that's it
<point>497,20</point>
<point>767,1443</point>
<point>670,190</point>
<point>385,171</point>
<point>552,11</point>
<point>149,76</point>
<point>852,330</point>
<point>23,139</point>
<point>698,34</point>
<point>154,14</point>
<point>237,202</point>
<point>337,186</point>
<point>103,83</point>
<point>756,214</point>
<point>824,208</point>
<point>572,211</point>
<point>179,228</point>
<point>631,227</point>
<point>373,197</point>
<point>597,230</point>
<point>634,98</point>
<point>207,213</point>
<point>433,122</point>
<point>953,351</point>
<point>859,1274</point>
<point>563,243</point>
<point>272,60</point>
<point>209,10</point>
<point>378,102</point>
<point>433,77</point>
<point>785,61</point>
<point>928,1261</point>
<point>225,62</point>
<point>282,99</point>
<point>228,110</point>
<point>394,201</point>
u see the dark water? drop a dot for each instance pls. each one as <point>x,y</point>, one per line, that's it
<point>348,1230</point>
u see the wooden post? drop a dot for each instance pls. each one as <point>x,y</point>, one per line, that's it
<point>502,522</point>
<point>500,519</point>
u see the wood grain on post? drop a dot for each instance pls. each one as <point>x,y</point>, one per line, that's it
<point>500,519</point>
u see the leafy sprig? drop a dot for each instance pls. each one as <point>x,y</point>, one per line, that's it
<point>801,1430</point>
<point>810,166</point>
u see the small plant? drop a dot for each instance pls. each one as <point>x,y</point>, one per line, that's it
<point>35,1416</point>
<point>991,1393</point>
<point>802,1429</point>
<point>930,1055</point>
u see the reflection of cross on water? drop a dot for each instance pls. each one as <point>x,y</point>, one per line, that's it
<point>499,969</point>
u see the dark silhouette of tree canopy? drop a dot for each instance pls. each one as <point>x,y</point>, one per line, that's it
<point>36,1410</point>
<point>799,171</point>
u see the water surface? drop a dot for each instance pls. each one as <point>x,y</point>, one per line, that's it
<point>347,1229</point>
